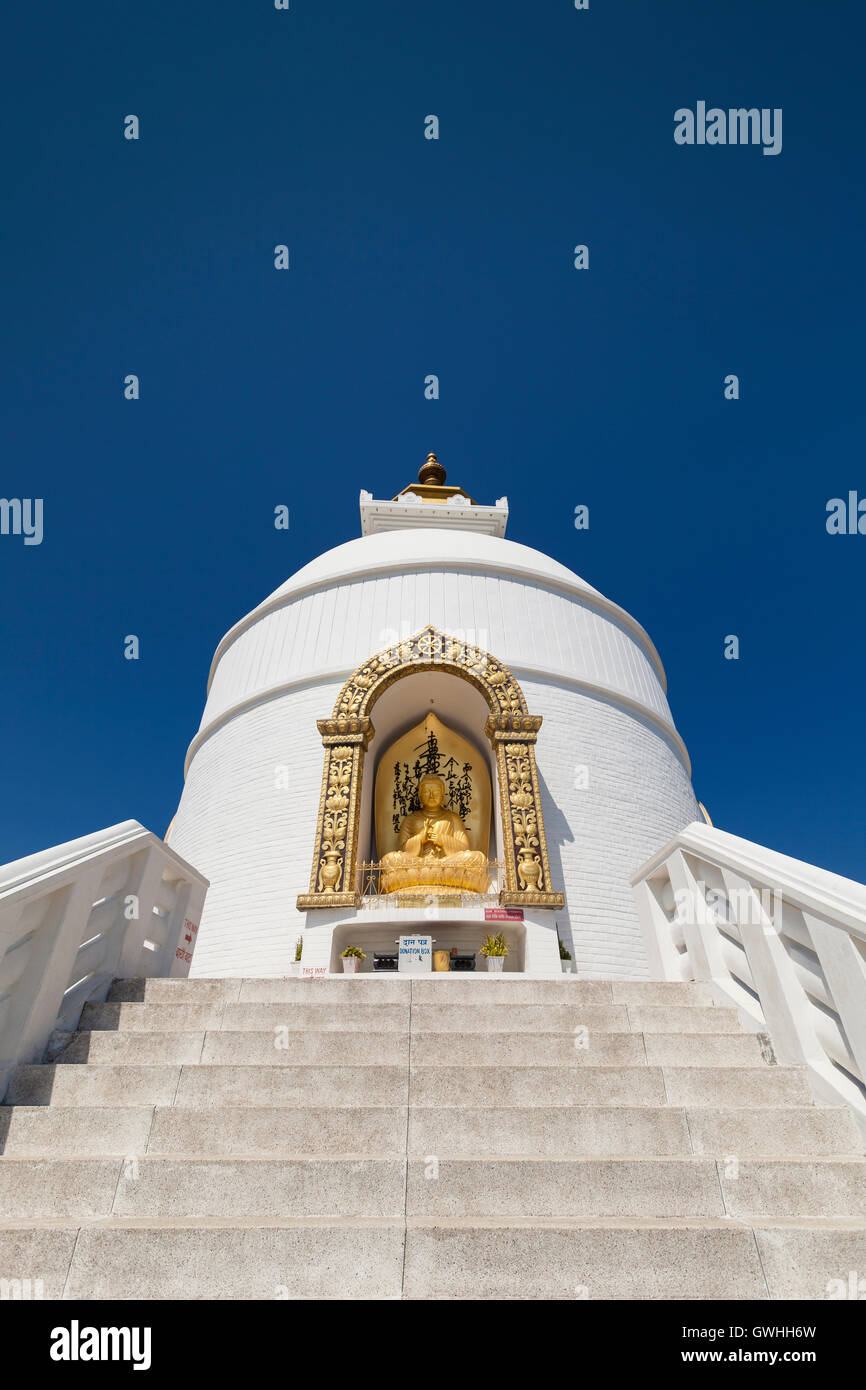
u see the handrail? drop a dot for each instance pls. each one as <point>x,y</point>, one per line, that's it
<point>115,904</point>
<point>783,941</point>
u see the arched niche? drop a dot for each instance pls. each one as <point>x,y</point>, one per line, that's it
<point>349,734</point>
<point>401,707</point>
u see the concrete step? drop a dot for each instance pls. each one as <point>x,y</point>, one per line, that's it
<point>381,1018</point>
<point>382,989</point>
<point>152,1018</point>
<point>483,1086</point>
<point>134,1049</point>
<point>707,1049</point>
<point>303,1085</point>
<point>51,1130</point>
<point>155,1260</point>
<point>774,1132</point>
<point>539,1131</point>
<point>438,988</point>
<point>733,1087</point>
<point>45,1131</point>
<point>726,1087</point>
<point>681,1018</point>
<point>348,989</point>
<point>567,990</point>
<point>262,1048</point>
<point>795,1187</point>
<point>482,989</point>
<point>667,992</point>
<point>478,1017</point>
<point>350,1186</point>
<point>202,1085</point>
<point>280,1079</point>
<point>467,1187</point>
<point>298,1016</point>
<point>363,990</point>
<point>587,1049</point>
<point>38,1257</point>
<point>456,1259</point>
<point>547,1187</point>
<point>520,1049</point>
<point>191,1188</point>
<point>482,1017</point>
<point>57,1189</point>
<point>686,1260</point>
<point>528,1049</point>
<point>174,991</point>
<point>631,1131</point>
<point>315,1049</point>
<point>563,1018</point>
<point>65,1085</point>
<point>576,1259</point>
<point>279,1130</point>
<point>813,1259</point>
<point>76,1131</point>
<point>354,1185</point>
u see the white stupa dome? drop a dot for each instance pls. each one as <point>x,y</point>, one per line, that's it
<point>614,773</point>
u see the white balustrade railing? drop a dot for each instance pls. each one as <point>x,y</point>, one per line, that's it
<point>783,941</point>
<point>116,904</point>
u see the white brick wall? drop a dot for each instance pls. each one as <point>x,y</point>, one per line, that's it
<point>639,795</point>
<point>254,842</point>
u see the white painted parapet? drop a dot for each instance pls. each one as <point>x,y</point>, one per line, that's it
<point>117,904</point>
<point>782,940</point>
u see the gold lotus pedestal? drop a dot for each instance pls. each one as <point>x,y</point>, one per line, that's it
<point>439,884</point>
<point>446,879</point>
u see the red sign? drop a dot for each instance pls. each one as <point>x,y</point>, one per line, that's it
<point>503,914</point>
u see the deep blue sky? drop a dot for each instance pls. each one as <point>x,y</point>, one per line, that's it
<point>408,257</point>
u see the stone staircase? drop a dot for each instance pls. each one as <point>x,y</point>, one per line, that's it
<point>449,1137</point>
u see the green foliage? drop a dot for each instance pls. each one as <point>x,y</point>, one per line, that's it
<point>563,954</point>
<point>354,951</point>
<point>299,946</point>
<point>494,946</point>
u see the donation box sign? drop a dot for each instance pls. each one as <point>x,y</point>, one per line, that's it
<point>416,955</point>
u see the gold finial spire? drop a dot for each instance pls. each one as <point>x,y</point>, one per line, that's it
<point>432,472</point>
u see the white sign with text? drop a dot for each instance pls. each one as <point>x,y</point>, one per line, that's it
<point>416,955</point>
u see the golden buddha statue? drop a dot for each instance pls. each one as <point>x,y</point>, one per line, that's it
<point>433,849</point>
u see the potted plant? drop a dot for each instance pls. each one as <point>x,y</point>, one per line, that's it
<point>495,949</point>
<point>352,957</point>
<point>565,957</point>
<point>295,966</point>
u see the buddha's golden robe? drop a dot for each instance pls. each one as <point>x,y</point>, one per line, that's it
<point>434,853</point>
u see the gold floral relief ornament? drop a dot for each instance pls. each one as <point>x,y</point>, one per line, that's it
<point>335,818</point>
<point>430,650</point>
<point>530,871</point>
<point>512,732</point>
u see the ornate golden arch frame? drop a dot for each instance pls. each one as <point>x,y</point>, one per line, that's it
<point>512,731</point>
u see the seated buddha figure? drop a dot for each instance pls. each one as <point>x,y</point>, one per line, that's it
<point>434,851</point>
